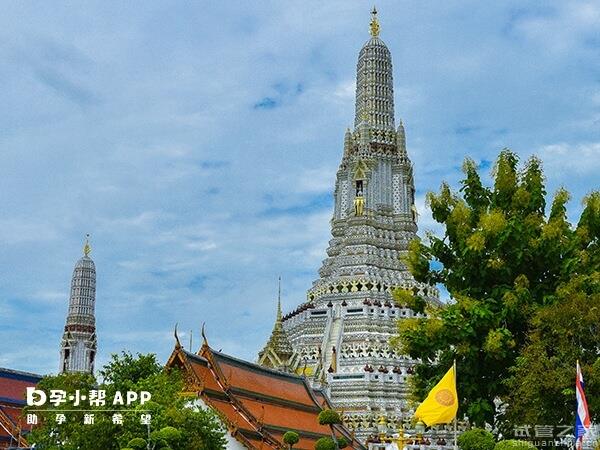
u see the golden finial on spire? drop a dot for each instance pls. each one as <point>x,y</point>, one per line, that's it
<point>374,23</point>
<point>87,248</point>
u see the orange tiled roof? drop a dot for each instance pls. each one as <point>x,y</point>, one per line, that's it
<point>257,404</point>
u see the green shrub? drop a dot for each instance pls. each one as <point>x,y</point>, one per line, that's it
<point>291,438</point>
<point>161,444</point>
<point>476,439</point>
<point>329,417</point>
<point>137,444</point>
<point>513,444</point>
<point>325,443</point>
<point>342,442</point>
<point>169,434</point>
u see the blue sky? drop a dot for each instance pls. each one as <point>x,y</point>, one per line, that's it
<point>197,142</point>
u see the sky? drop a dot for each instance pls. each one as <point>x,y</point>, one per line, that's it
<point>197,142</point>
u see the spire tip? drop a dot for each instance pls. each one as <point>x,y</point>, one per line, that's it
<point>374,25</point>
<point>87,248</point>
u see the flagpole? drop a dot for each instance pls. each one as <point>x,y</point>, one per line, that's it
<point>577,405</point>
<point>455,427</point>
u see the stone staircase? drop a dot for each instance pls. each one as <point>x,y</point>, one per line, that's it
<point>335,333</point>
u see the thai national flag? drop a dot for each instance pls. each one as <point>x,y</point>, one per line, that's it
<point>582,417</point>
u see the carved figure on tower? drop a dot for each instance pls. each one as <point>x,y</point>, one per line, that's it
<point>359,204</point>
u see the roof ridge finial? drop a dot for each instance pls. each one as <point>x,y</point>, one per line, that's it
<point>177,343</point>
<point>374,25</point>
<point>87,248</point>
<point>204,338</point>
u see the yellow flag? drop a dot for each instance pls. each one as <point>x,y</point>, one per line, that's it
<point>441,404</point>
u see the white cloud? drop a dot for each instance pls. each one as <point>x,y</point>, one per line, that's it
<point>561,30</point>
<point>346,90</point>
<point>15,231</point>
<point>317,180</point>
<point>565,160</point>
<point>51,296</point>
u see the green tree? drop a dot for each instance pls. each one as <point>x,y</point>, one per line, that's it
<point>138,444</point>
<point>128,370</point>
<point>501,259</point>
<point>176,424</point>
<point>291,438</point>
<point>476,439</point>
<point>542,385</point>
<point>331,418</point>
<point>342,442</point>
<point>325,443</point>
<point>49,434</point>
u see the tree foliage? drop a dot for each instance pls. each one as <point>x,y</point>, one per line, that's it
<point>502,259</point>
<point>137,443</point>
<point>476,439</point>
<point>291,438</point>
<point>175,423</point>
<point>325,443</point>
<point>329,417</point>
<point>542,385</point>
<point>342,442</point>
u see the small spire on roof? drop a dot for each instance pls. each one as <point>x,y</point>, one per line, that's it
<point>87,248</point>
<point>374,25</point>
<point>279,315</point>
<point>278,351</point>
<point>401,139</point>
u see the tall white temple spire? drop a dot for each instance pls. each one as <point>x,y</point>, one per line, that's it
<point>78,346</point>
<point>341,335</point>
